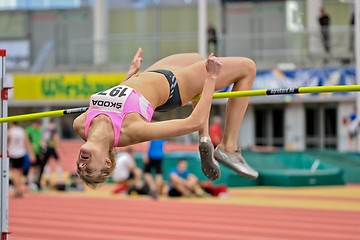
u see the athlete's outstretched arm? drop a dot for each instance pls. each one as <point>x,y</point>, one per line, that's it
<point>178,127</point>
<point>79,125</point>
<point>135,64</point>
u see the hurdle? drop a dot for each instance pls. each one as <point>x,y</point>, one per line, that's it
<point>235,94</point>
<point>4,166</point>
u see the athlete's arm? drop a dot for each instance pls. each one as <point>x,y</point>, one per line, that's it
<point>172,128</point>
<point>135,64</point>
<point>79,125</point>
<point>202,108</point>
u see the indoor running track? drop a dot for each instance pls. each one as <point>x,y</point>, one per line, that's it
<point>57,216</point>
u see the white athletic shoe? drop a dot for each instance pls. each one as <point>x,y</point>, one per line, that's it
<point>236,162</point>
<point>209,165</point>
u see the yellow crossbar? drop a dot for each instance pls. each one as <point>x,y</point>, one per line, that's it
<point>247,93</point>
<point>280,91</point>
<point>32,116</point>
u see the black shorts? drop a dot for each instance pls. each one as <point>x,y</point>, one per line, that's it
<point>174,100</point>
<point>174,193</point>
<point>17,162</point>
<point>39,158</point>
<point>131,176</point>
<point>51,152</point>
<point>156,164</point>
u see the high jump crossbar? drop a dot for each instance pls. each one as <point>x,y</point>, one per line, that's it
<point>235,94</point>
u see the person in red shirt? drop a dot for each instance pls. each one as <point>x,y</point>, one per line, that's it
<point>215,131</point>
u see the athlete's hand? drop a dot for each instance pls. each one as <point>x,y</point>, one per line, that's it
<point>137,60</point>
<point>135,64</point>
<point>213,66</point>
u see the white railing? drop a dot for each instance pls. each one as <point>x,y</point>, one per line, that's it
<point>267,49</point>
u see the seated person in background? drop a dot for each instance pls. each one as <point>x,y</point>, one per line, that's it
<point>351,122</point>
<point>75,183</point>
<point>217,190</point>
<point>126,173</point>
<point>183,183</point>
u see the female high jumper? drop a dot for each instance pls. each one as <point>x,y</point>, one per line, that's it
<point>121,116</point>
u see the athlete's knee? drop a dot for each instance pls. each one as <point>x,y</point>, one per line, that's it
<point>250,68</point>
<point>248,73</point>
<point>196,56</point>
<point>246,76</point>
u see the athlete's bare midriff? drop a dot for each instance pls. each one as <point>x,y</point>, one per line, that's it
<point>153,86</point>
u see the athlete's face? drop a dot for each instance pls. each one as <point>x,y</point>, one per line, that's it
<point>91,161</point>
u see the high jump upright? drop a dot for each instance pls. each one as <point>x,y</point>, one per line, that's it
<point>4,164</point>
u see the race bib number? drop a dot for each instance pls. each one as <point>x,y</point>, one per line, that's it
<point>112,99</point>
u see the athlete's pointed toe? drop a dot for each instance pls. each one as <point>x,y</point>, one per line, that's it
<point>236,162</point>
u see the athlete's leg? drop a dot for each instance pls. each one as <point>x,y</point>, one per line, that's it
<point>191,78</point>
<point>176,61</point>
<point>227,152</point>
<point>240,72</point>
<point>236,107</point>
<point>209,165</point>
<point>235,70</point>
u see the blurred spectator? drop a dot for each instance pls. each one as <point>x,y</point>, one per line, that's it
<point>153,160</point>
<point>34,132</point>
<point>126,173</point>
<point>183,183</point>
<point>51,140</point>
<point>324,21</point>
<point>212,39</point>
<point>18,147</point>
<point>352,33</point>
<point>75,183</point>
<point>215,130</point>
<point>352,123</point>
<point>219,190</point>
<point>66,128</point>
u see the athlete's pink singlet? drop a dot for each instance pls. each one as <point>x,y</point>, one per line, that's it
<point>115,103</point>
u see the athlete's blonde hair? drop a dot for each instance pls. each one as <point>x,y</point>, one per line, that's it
<point>96,181</point>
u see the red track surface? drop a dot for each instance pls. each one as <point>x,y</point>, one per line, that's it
<point>80,216</point>
<point>54,217</point>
